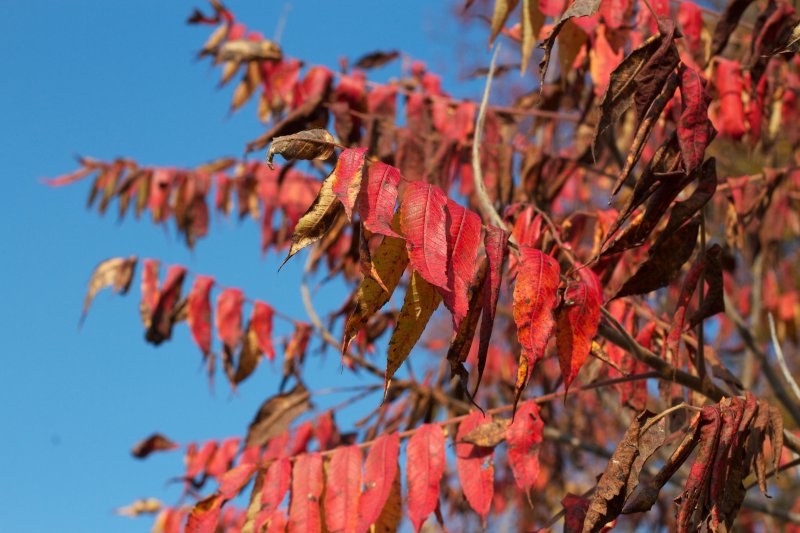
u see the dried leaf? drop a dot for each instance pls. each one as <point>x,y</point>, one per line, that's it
<point>140,507</point>
<point>700,473</point>
<point>376,59</point>
<point>424,469</point>
<point>116,273</point>
<point>462,341</point>
<point>502,9</point>
<point>496,248</point>
<point>317,220</point>
<point>164,317</point>
<point>727,22</point>
<point>695,131</point>
<point>578,8</point>
<point>532,22</point>
<point>276,414</point>
<point>309,144</point>
<point>488,434</point>
<point>154,443</point>
<point>205,515</point>
<point>423,222</point>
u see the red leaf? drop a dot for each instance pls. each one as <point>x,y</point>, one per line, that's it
<point>523,437</point>
<point>229,317</point>
<point>379,197</point>
<point>424,468</point>
<point>496,245</point>
<point>347,181</point>
<point>690,21</point>
<point>380,468</point>
<point>694,129</point>
<point>261,322</point>
<point>535,297</point>
<point>343,489</point>
<point>577,321</point>
<point>730,117</point>
<point>304,512</point>
<point>424,225</point>
<point>302,435</point>
<point>463,239</point>
<point>199,312</point>
<point>197,460</point>
<point>205,515</point>
<point>575,508</point>
<point>235,479</point>
<point>223,457</point>
<point>149,290</point>
<point>475,466</point>
<point>163,317</point>
<point>276,483</point>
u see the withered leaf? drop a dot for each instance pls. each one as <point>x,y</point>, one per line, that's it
<point>240,50</point>
<point>462,342</point>
<point>319,218</point>
<point>579,8</point>
<point>700,473</point>
<point>276,414</point>
<point>376,59</point>
<point>249,356</point>
<point>663,262</point>
<point>140,507</point>
<point>532,22</point>
<point>502,9</point>
<point>116,273</point>
<point>726,24</point>
<point>309,144</point>
<point>488,434</point>
<point>154,443</point>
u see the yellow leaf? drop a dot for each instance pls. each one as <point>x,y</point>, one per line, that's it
<point>421,301</point>
<point>532,22</point>
<point>502,9</point>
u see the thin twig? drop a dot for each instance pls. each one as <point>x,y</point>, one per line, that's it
<point>700,361</point>
<point>781,360</point>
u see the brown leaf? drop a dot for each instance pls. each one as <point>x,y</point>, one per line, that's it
<point>462,342</point>
<point>240,50</point>
<point>488,434</point>
<point>276,414</point>
<point>532,22</point>
<point>116,273</point>
<point>249,356</point>
<point>727,22</point>
<point>140,507</point>
<point>663,262</point>
<point>579,8</point>
<point>154,443</point>
<point>700,473</point>
<point>376,59</point>
<point>309,144</point>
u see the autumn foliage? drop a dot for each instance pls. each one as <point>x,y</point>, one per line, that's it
<point>596,280</point>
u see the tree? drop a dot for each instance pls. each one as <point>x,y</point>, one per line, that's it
<point>576,337</point>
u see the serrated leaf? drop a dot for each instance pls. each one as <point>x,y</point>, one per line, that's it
<point>424,469</point>
<point>524,436</point>
<point>317,220</point>
<point>343,489</point>
<point>309,144</point>
<point>380,470</point>
<point>475,467</point>
<point>577,322</point>
<point>304,511</point>
<point>423,222</point>
<point>420,302</point>
<point>347,178</point>
<point>116,273</point>
<point>376,206</point>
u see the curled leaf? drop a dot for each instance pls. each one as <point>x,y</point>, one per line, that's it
<point>309,144</point>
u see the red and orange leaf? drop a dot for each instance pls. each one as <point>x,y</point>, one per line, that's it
<point>163,317</point>
<point>304,514</point>
<point>524,436</point>
<point>495,243</point>
<point>199,312</point>
<point>223,457</point>
<point>475,466</point>
<point>379,197</point>
<point>578,320</point>
<point>424,225</point>
<point>535,297</point>
<point>229,317</point>
<point>463,240</point>
<point>261,323</point>
<point>424,469</point>
<point>205,515</point>
<point>347,178</point>
<point>149,289</point>
<point>276,483</point>
<point>343,489</point>
<point>197,460</point>
<point>380,469</point>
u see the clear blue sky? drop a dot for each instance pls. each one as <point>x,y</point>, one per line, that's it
<point>114,78</point>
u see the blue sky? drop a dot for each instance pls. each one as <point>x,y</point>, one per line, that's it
<point>111,79</point>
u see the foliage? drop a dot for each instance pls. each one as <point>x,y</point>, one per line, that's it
<point>622,232</point>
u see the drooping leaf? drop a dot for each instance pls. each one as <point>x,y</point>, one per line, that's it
<point>347,178</point>
<point>376,206</point>
<point>116,273</point>
<point>423,222</point>
<point>380,470</point>
<point>475,466</point>
<point>199,312</point>
<point>535,298</point>
<point>575,508</point>
<point>154,443</point>
<point>304,511</point>
<point>235,479</point>
<point>343,489</point>
<point>309,144</point>
<point>249,355</point>
<point>577,321</point>
<point>319,218</point>
<point>727,22</point>
<point>695,131</point>
<point>700,473</point>
<point>420,302</point>
<point>502,9</point>
<point>229,317</point>
<point>463,238</point>
<point>276,482</point>
<point>532,22</point>
<point>524,436</point>
<point>578,8</point>
<point>424,469</point>
<point>276,414</point>
<point>462,341</point>
<point>663,261</point>
<point>149,290</point>
<point>163,317</point>
<point>261,324</point>
<point>389,262</point>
